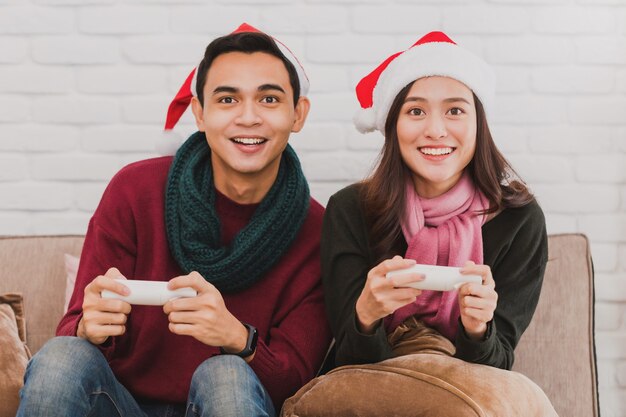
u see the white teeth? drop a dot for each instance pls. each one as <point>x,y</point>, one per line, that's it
<point>249,141</point>
<point>436,151</point>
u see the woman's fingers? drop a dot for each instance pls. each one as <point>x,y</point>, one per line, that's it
<point>480,315</point>
<point>477,302</point>
<point>388,265</point>
<point>404,280</point>
<point>470,301</point>
<point>484,271</point>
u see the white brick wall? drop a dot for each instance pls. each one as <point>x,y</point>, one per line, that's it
<point>74,49</point>
<point>84,86</point>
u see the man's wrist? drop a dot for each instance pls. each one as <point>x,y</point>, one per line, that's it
<point>239,340</point>
<point>248,348</point>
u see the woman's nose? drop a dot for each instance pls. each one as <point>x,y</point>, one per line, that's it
<point>435,127</point>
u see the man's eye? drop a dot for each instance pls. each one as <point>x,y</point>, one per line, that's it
<point>227,100</point>
<point>269,100</point>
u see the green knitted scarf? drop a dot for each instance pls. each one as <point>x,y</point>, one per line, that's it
<point>193,227</point>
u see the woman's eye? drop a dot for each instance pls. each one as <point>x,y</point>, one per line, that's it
<point>416,112</point>
<point>455,111</point>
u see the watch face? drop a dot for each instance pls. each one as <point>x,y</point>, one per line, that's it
<point>251,343</point>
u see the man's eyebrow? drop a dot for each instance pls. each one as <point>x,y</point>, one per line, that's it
<point>234,90</point>
<point>446,100</point>
<point>225,89</point>
<point>266,87</point>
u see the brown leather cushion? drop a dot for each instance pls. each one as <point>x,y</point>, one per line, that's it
<point>423,384</point>
<point>557,350</point>
<point>14,354</point>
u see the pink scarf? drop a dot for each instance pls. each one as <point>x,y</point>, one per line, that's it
<point>445,231</point>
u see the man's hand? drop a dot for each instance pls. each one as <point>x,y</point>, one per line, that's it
<point>477,302</point>
<point>102,317</point>
<point>204,317</point>
<point>381,296</point>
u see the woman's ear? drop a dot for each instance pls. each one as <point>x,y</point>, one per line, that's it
<point>302,110</point>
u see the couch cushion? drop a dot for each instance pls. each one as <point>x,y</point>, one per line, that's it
<point>557,350</point>
<point>34,266</point>
<point>14,354</point>
<point>420,385</point>
<point>71,270</point>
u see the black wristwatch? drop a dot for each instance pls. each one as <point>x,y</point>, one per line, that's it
<point>250,343</point>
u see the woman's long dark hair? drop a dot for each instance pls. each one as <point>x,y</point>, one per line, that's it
<point>383,193</point>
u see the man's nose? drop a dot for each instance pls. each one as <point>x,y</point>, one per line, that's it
<point>249,115</point>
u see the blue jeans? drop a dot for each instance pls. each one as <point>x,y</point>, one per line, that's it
<point>69,377</point>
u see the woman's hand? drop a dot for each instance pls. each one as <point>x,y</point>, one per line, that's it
<point>381,296</point>
<point>477,302</point>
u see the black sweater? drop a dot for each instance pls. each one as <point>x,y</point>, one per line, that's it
<point>515,246</point>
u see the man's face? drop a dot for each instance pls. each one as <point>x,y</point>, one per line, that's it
<point>248,115</point>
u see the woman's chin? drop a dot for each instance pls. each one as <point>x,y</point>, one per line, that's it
<point>434,184</point>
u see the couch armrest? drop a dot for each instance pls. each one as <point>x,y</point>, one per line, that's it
<point>557,351</point>
<point>34,266</point>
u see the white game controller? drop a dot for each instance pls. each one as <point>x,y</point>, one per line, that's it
<point>436,278</point>
<point>148,293</point>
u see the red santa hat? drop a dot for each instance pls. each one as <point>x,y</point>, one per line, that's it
<point>433,54</point>
<point>181,101</point>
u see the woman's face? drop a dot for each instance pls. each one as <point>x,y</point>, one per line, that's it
<point>437,133</point>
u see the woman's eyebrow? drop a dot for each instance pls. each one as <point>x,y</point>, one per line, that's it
<point>414,99</point>
<point>446,100</point>
<point>455,99</point>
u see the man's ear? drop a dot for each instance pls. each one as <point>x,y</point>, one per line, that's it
<point>302,111</point>
<point>196,108</point>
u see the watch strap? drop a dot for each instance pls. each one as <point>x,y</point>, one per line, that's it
<point>251,343</point>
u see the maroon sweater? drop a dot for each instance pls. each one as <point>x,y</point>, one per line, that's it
<point>127,231</point>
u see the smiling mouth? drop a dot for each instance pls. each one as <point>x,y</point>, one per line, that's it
<point>248,141</point>
<point>436,151</point>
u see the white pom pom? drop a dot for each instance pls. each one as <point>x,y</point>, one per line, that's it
<point>365,120</point>
<point>168,143</point>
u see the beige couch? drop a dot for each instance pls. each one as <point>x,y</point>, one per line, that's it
<point>557,351</point>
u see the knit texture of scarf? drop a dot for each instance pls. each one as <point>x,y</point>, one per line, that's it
<point>193,227</point>
<point>445,230</point>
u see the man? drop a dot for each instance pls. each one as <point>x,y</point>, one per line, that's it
<point>229,216</point>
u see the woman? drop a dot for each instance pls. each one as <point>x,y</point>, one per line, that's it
<point>442,194</point>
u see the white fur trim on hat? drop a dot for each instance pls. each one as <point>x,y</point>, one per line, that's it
<point>168,143</point>
<point>365,120</point>
<point>432,59</point>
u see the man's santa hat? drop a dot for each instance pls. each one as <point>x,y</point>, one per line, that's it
<point>435,54</point>
<point>170,143</point>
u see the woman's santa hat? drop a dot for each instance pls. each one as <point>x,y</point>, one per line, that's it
<point>435,54</point>
<point>179,105</point>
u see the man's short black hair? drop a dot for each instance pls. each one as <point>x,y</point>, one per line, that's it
<point>247,42</point>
